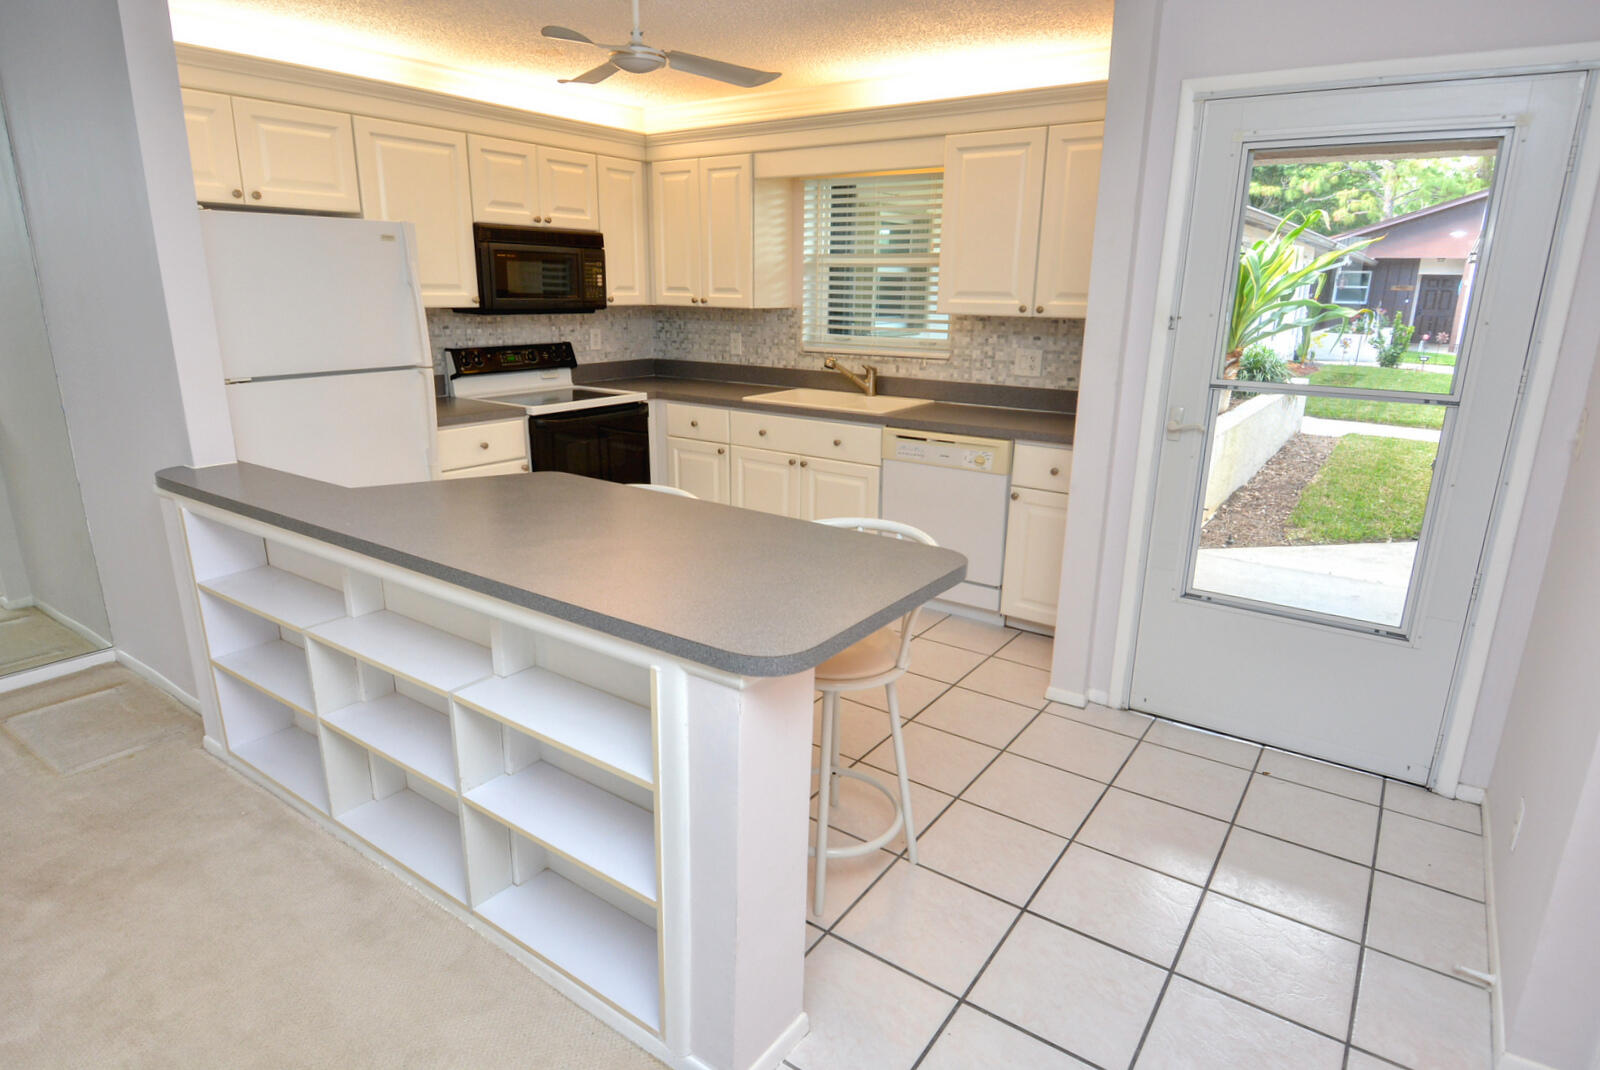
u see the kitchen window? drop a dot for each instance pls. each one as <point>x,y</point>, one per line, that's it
<point>1351,287</point>
<point>871,251</point>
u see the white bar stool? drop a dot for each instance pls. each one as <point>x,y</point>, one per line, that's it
<point>876,661</point>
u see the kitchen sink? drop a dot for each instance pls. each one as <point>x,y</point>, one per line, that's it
<point>839,400</point>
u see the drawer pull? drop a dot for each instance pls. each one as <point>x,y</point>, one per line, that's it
<point>1015,496</point>
<point>238,193</point>
<point>721,451</point>
<point>803,464</point>
<point>1022,308</point>
<point>791,460</point>
<point>483,445</point>
<point>838,442</point>
<point>255,195</point>
<point>694,423</point>
<point>762,432</point>
<point>524,468</point>
<point>1055,471</point>
<point>1038,308</point>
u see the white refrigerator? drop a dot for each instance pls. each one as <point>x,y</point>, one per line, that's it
<point>324,345</point>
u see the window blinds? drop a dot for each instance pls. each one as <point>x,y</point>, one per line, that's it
<point>871,250</point>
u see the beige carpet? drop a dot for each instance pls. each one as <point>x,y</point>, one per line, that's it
<point>161,911</point>
<point>89,718</point>
<point>29,638</point>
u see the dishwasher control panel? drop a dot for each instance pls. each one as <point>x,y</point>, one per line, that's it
<point>967,453</point>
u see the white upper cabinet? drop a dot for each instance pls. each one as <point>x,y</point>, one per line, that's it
<point>295,157</point>
<point>213,152</point>
<point>675,226</point>
<point>531,185</point>
<point>993,185</point>
<point>1019,221</point>
<point>418,174</point>
<point>727,216</point>
<point>1066,227</point>
<point>625,220</point>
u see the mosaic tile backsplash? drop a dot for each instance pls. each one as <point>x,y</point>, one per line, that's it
<point>983,349</point>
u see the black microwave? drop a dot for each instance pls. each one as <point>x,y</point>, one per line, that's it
<point>537,269</point>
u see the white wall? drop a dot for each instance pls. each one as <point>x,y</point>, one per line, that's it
<point>101,156</point>
<point>1549,762</point>
<point>49,557</point>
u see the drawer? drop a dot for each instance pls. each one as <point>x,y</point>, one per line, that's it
<point>479,444</point>
<point>1041,467</point>
<point>697,421</point>
<point>861,443</point>
<point>498,468</point>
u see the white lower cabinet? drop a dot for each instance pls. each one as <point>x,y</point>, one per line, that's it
<point>766,480</point>
<point>1036,528</point>
<point>490,449</point>
<point>807,488</point>
<point>701,468</point>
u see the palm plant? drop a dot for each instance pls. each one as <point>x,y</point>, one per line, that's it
<point>1263,299</point>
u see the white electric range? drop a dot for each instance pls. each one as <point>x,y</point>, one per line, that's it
<point>587,430</point>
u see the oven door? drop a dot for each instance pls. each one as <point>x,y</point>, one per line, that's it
<point>532,278</point>
<point>612,443</point>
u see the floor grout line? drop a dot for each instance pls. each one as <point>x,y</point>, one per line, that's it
<point>1366,924</point>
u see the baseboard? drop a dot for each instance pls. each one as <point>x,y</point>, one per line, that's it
<point>1470,793</point>
<point>1100,698</point>
<point>961,609</point>
<point>15,603</point>
<point>55,670</point>
<point>139,668</point>
<point>214,747</point>
<point>81,630</point>
<point>1507,1061</point>
<point>1497,1008</point>
<point>1065,697</point>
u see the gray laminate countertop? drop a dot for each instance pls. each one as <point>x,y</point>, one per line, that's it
<point>734,589</point>
<point>458,412</point>
<point>1028,425</point>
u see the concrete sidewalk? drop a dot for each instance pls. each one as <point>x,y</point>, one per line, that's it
<point>1363,581</point>
<point>1316,425</point>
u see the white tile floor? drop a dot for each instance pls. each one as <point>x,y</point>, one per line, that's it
<point>1098,888</point>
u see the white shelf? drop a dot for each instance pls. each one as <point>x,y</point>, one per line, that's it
<point>278,668</point>
<point>586,938</point>
<point>409,649</point>
<point>594,828</point>
<point>279,595</point>
<point>575,717</point>
<point>289,757</point>
<point>403,731</point>
<point>417,834</point>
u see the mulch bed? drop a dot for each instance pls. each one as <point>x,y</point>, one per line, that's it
<point>1256,513</point>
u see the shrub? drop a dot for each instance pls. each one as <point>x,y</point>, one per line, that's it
<point>1390,351</point>
<point>1260,364</point>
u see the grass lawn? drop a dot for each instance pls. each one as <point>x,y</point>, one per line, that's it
<point>1435,360</point>
<point>1379,412</point>
<point>1371,489</point>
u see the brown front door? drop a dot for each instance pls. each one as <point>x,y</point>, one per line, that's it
<point>1436,307</point>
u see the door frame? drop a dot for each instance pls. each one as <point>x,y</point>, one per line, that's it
<point>1513,504</point>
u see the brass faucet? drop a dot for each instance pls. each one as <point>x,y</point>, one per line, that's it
<point>867,381</point>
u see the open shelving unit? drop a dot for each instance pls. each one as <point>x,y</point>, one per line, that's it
<point>513,771</point>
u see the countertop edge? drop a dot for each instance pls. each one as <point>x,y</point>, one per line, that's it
<point>671,645</point>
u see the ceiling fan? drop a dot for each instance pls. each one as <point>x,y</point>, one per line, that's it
<point>636,57</point>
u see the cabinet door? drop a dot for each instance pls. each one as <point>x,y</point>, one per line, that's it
<point>419,174</point>
<point>568,194</point>
<point>505,186</point>
<point>832,488</point>
<point>727,214</point>
<point>213,151</point>
<point>765,480</point>
<point>625,219</point>
<point>1035,530</point>
<point>701,468</point>
<point>675,231</point>
<point>989,248</point>
<point>1066,228</point>
<point>294,157</point>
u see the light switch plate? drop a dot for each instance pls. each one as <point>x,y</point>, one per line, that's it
<point>736,343</point>
<point>595,341</point>
<point>1029,362</point>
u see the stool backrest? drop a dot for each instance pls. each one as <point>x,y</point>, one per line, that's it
<point>892,529</point>
<point>664,488</point>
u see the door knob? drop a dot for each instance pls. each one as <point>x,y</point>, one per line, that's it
<point>1176,426</point>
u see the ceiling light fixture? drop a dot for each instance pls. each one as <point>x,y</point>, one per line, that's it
<point>636,57</point>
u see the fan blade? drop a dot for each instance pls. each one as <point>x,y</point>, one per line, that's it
<point>565,34</point>
<point>598,74</point>
<point>732,73</point>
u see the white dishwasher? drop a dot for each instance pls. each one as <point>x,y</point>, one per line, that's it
<point>954,488</point>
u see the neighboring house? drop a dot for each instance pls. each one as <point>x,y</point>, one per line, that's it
<point>1422,267</point>
<point>1260,224</point>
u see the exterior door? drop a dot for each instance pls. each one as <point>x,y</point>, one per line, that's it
<point>1308,583</point>
<point>1436,304</point>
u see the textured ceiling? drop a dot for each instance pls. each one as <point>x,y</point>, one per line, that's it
<point>814,43</point>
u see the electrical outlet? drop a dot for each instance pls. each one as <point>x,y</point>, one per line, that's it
<point>1029,362</point>
<point>736,343</point>
<point>1516,826</point>
<point>595,341</point>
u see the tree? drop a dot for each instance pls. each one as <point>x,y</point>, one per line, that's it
<point>1358,193</point>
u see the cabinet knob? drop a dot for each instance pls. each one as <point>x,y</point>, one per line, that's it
<point>838,442</point>
<point>720,450</point>
<point>803,464</point>
<point>238,193</point>
<point>255,195</point>
<point>548,219</point>
<point>524,468</point>
<point>611,300</point>
<point>694,423</point>
<point>762,432</point>
<point>1022,308</point>
<point>791,460</point>
<point>483,445</point>
<point>1038,308</point>
<point>1015,496</point>
<point>1055,471</point>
